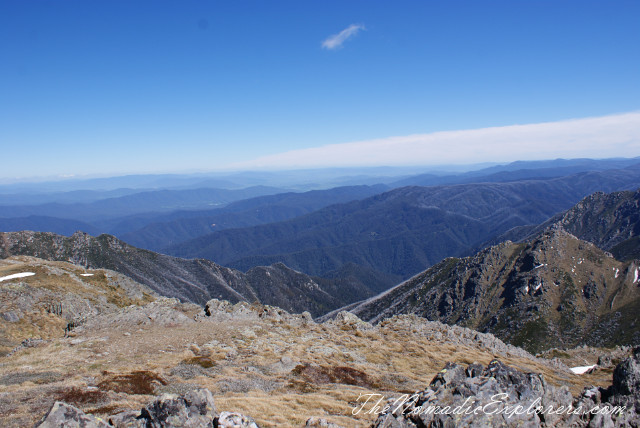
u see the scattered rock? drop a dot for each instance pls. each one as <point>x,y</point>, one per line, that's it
<point>234,420</point>
<point>347,319</point>
<point>65,415</point>
<point>194,409</point>
<point>128,419</point>
<point>285,365</point>
<point>11,316</point>
<point>317,422</point>
<point>214,306</point>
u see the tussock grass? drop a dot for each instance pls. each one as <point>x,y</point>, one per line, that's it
<point>328,367</point>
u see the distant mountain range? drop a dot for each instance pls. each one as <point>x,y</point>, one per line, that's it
<point>182,226</point>
<point>157,201</point>
<point>404,230</point>
<point>158,212</point>
<point>520,170</point>
<point>554,290</point>
<point>155,220</point>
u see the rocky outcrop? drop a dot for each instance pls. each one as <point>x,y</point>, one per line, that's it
<point>65,415</point>
<point>499,395</point>
<point>195,409</point>
<point>495,395</point>
<point>624,393</point>
<point>222,309</point>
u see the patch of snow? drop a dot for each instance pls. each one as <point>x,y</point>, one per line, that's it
<point>582,369</point>
<point>16,275</point>
<point>539,266</point>
<point>86,274</point>
<point>580,261</point>
<point>635,278</point>
<point>538,286</point>
<point>526,289</point>
<point>617,272</point>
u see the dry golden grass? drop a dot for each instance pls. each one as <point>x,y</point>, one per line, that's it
<point>391,363</point>
<point>278,372</point>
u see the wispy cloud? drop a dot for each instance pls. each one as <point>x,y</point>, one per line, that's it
<point>336,41</point>
<point>597,137</point>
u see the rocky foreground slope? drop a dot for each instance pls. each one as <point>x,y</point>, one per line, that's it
<point>196,280</point>
<point>260,361</point>
<point>553,291</point>
<point>493,396</point>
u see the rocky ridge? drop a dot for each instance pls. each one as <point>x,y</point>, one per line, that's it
<point>196,280</point>
<point>611,221</point>
<point>553,291</point>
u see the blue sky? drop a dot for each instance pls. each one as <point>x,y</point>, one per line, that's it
<point>110,87</point>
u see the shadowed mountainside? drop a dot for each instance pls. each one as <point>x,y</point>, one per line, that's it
<point>169,229</point>
<point>402,231</point>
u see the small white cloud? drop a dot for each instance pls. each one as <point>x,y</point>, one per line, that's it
<point>336,41</point>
